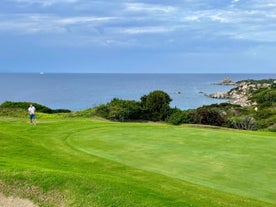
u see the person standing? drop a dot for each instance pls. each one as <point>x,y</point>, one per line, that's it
<point>31,110</point>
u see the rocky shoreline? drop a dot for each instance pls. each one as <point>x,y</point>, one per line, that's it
<point>241,94</point>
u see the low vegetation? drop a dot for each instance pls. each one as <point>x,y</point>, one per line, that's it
<point>25,105</point>
<point>156,107</point>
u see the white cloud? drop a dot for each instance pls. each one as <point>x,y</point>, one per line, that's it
<point>149,8</point>
<point>251,20</point>
<point>45,2</point>
<point>82,20</point>
<point>219,17</point>
<point>146,30</point>
<point>37,23</point>
<point>270,36</point>
<point>263,4</point>
<point>192,18</point>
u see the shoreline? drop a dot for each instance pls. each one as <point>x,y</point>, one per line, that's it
<point>241,94</point>
<point>81,91</point>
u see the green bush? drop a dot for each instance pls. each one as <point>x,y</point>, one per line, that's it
<point>102,111</point>
<point>25,106</point>
<point>207,116</point>
<point>272,128</point>
<point>266,123</point>
<point>87,113</point>
<point>265,96</point>
<point>244,123</point>
<point>156,105</point>
<point>123,110</point>
<point>13,112</point>
<point>264,113</point>
<point>119,110</point>
<point>179,117</point>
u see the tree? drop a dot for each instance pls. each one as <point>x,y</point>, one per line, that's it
<point>156,105</point>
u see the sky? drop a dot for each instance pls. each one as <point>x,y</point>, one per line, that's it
<point>138,36</point>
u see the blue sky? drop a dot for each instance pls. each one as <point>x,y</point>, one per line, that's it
<point>138,36</point>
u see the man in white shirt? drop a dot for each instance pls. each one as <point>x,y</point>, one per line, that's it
<point>31,110</point>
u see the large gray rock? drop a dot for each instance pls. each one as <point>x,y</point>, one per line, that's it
<point>226,81</point>
<point>219,95</point>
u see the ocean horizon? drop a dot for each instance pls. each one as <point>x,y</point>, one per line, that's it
<point>77,91</point>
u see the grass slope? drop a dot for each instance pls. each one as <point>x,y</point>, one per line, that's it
<point>81,162</point>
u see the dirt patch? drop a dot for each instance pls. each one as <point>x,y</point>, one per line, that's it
<point>15,202</point>
<point>22,189</point>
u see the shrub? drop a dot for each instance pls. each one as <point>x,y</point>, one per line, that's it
<point>25,106</point>
<point>208,116</point>
<point>122,110</point>
<point>266,123</point>
<point>179,117</point>
<point>119,110</point>
<point>265,96</point>
<point>156,105</point>
<point>13,112</point>
<point>87,113</point>
<point>272,128</point>
<point>264,113</point>
<point>244,123</point>
<point>102,111</point>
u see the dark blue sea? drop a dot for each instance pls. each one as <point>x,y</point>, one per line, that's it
<point>82,91</point>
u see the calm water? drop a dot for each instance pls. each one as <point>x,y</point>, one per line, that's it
<point>81,91</point>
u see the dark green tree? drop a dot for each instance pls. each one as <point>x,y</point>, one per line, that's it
<point>156,105</point>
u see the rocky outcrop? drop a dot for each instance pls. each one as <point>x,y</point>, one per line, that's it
<point>219,95</point>
<point>226,81</point>
<point>241,94</point>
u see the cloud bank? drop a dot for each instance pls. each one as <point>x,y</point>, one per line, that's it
<point>172,27</point>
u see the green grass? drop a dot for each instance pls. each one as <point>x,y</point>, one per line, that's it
<point>84,162</point>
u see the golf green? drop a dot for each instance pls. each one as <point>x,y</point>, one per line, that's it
<point>101,163</point>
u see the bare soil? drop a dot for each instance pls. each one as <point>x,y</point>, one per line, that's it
<point>15,202</point>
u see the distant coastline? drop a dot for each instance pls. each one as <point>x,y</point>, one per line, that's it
<point>76,91</point>
<point>243,91</point>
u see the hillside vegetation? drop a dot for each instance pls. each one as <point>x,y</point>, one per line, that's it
<point>85,162</point>
<point>254,108</point>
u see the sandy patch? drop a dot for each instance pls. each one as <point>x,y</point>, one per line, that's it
<point>15,202</point>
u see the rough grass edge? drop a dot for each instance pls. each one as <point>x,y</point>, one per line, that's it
<point>32,193</point>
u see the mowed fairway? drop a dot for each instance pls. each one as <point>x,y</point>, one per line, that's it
<point>98,163</point>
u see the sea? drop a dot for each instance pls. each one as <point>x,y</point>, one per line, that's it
<point>82,91</point>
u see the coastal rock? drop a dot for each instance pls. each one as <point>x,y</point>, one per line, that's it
<point>219,95</point>
<point>241,94</point>
<point>226,81</point>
